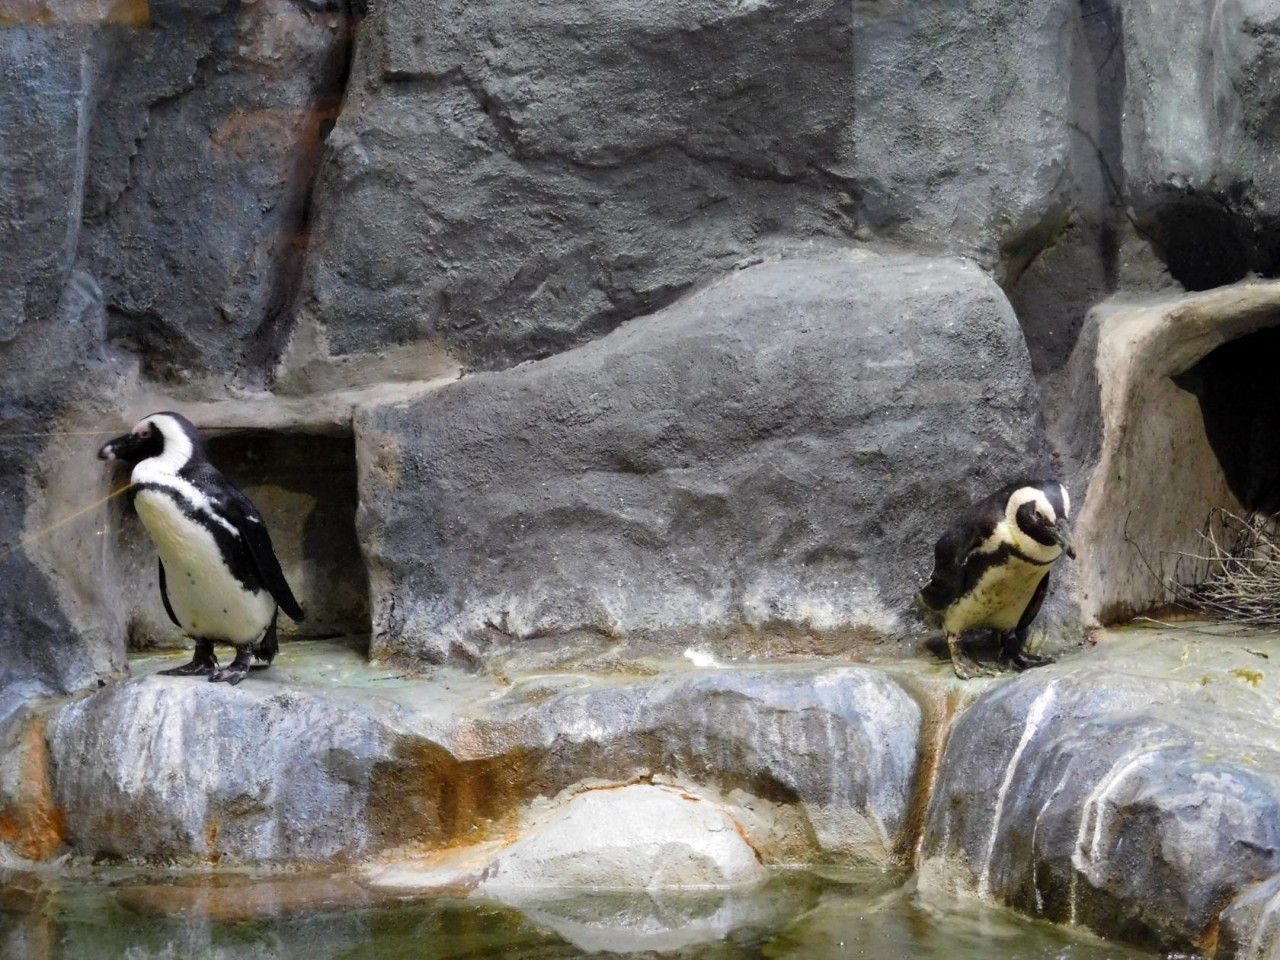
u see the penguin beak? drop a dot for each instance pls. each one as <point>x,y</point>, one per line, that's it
<point>1062,537</point>
<point>127,448</point>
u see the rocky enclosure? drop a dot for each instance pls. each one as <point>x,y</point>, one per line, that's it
<point>554,339</point>
<point>1134,790</point>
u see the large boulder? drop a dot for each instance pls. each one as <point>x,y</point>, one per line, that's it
<point>1136,793</point>
<point>325,758</point>
<point>631,151</point>
<point>180,769</point>
<point>776,453</point>
<point>828,754</point>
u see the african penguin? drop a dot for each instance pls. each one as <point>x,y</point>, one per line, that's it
<point>219,576</point>
<point>991,569</point>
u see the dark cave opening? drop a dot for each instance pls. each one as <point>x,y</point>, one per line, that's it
<point>1238,390</point>
<point>305,486</point>
<point>1202,244</point>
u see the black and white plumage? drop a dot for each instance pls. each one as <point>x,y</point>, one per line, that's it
<point>219,576</point>
<point>991,569</point>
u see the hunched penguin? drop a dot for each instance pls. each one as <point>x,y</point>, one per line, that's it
<point>219,577</point>
<point>991,569</point>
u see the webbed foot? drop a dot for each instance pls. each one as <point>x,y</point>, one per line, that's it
<point>203,662</point>
<point>235,671</point>
<point>1025,661</point>
<point>196,668</point>
<point>1013,649</point>
<point>965,666</point>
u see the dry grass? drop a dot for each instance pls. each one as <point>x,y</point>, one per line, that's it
<point>1236,575</point>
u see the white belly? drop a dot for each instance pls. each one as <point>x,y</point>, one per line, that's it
<point>207,600</point>
<point>999,599</point>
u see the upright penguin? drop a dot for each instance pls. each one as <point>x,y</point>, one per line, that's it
<point>219,576</point>
<point>991,569</point>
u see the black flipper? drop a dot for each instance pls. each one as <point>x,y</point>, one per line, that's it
<point>1014,642</point>
<point>240,512</point>
<point>164,596</point>
<point>951,555</point>
<point>203,662</point>
<point>256,538</point>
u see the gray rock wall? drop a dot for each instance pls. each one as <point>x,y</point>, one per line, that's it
<point>737,422</point>
<point>777,452</point>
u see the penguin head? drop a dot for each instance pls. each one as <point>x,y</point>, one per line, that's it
<point>1039,511</point>
<point>169,438</point>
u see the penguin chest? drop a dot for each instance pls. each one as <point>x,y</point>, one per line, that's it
<point>998,599</point>
<point>204,595</point>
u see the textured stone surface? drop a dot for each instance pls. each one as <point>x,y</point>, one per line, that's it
<point>174,768</point>
<point>1136,793</point>
<point>1251,925</point>
<point>811,761</point>
<point>30,824</point>
<point>44,115</point>
<point>42,649</point>
<point>205,141</point>
<point>1146,473</point>
<point>1200,135</point>
<point>838,746</point>
<point>777,452</point>
<point>635,150</point>
<point>638,836</point>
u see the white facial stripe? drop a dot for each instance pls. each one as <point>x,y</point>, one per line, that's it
<point>177,445</point>
<point>1066,502</point>
<point>1025,495</point>
<point>147,472</point>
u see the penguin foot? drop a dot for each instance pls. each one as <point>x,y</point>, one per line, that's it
<point>196,668</point>
<point>203,662</point>
<point>965,666</point>
<point>1025,661</point>
<point>235,671</point>
<point>232,674</point>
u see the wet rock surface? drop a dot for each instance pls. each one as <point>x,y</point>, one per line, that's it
<point>776,454</point>
<point>1133,790</point>
<point>354,762</point>
<point>1136,791</point>
<point>642,836</point>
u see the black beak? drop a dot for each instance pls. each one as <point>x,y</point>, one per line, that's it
<point>1062,537</point>
<point>127,448</point>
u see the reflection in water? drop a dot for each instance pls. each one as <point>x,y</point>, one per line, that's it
<point>794,916</point>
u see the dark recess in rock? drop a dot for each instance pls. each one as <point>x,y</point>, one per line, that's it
<point>1238,386</point>
<point>1201,241</point>
<point>307,483</point>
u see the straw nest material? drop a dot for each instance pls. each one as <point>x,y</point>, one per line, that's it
<point>1236,573</point>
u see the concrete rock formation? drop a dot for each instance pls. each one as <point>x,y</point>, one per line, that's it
<point>1137,793</point>
<point>814,762</point>
<point>559,339</point>
<point>768,454</point>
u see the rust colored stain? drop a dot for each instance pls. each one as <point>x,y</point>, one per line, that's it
<point>939,714</point>
<point>426,797</point>
<point>33,825</point>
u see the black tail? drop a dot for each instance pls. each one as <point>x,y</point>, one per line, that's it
<point>269,645</point>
